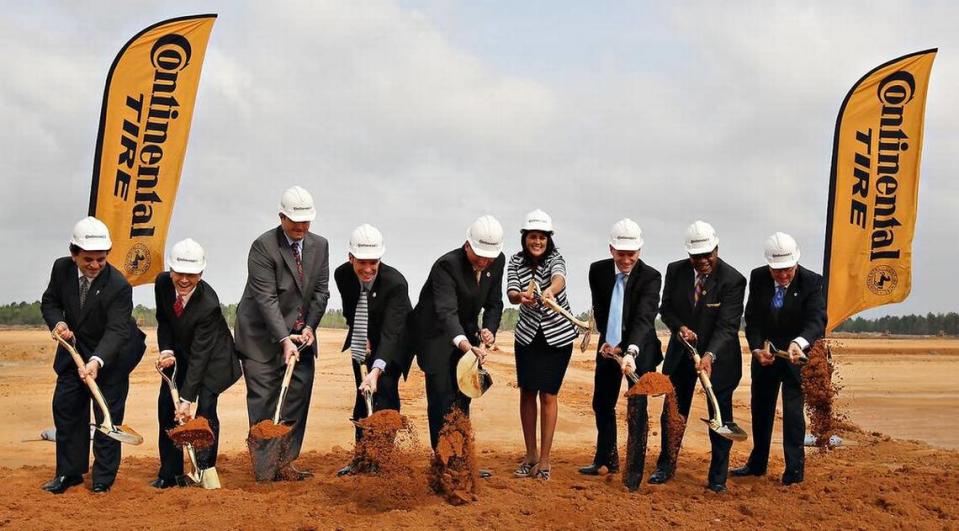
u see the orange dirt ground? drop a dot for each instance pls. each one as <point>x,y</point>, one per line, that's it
<point>900,470</point>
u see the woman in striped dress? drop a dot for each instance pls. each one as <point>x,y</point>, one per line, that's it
<point>544,339</point>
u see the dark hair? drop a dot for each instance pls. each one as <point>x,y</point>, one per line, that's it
<point>527,258</point>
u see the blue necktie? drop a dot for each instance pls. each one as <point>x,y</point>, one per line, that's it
<point>778,297</point>
<point>614,324</point>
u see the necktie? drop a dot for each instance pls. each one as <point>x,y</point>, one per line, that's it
<point>178,306</point>
<point>84,289</point>
<point>778,297</point>
<point>700,288</point>
<point>360,322</point>
<point>614,324</point>
<point>295,247</point>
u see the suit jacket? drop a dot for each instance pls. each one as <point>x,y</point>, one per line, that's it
<point>104,327</point>
<point>803,313</point>
<point>200,338</point>
<point>640,304</point>
<point>715,319</point>
<point>449,305</point>
<point>388,308</point>
<point>274,293</point>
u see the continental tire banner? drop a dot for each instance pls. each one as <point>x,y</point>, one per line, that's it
<point>874,188</point>
<point>144,128</point>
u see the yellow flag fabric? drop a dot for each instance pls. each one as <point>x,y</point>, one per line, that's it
<point>144,128</point>
<point>874,188</point>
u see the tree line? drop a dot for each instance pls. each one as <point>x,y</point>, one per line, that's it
<point>28,314</point>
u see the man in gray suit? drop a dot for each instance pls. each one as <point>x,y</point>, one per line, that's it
<point>286,292</point>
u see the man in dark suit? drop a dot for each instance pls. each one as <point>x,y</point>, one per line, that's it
<point>703,304</point>
<point>444,323</point>
<point>376,304</point>
<point>625,293</point>
<point>285,297</point>
<point>785,307</point>
<point>89,302</point>
<point>193,335</point>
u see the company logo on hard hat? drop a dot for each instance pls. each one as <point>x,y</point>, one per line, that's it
<point>537,220</point>
<point>95,236</point>
<point>626,237</point>
<point>372,245</point>
<point>302,208</point>
<point>484,242</point>
<point>784,255</point>
<point>191,260</point>
<point>699,241</point>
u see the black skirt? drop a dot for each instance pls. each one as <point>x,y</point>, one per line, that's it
<point>540,367</point>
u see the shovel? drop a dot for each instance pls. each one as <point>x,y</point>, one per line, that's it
<point>124,434</point>
<point>784,354</point>
<point>367,397</point>
<point>613,355</point>
<point>270,454</point>
<point>585,327</point>
<point>729,430</point>
<point>206,477</point>
<point>472,378</point>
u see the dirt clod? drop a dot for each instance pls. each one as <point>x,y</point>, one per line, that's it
<point>196,432</point>
<point>453,473</point>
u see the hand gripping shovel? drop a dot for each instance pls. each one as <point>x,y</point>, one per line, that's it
<point>729,430</point>
<point>269,441</point>
<point>784,354</point>
<point>124,434</point>
<point>206,477</point>
<point>584,327</point>
<point>367,397</point>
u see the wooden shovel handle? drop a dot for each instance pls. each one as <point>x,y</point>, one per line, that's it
<point>284,388</point>
<point>704,379</point>
<point>91,383</point>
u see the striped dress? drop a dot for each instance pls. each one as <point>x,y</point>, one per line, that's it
<point>556,329</point>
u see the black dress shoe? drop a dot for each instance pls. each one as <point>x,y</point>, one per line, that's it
<point>744,471</point>
<point>485,474</point>
<point>717,487</point>
<point>613,467</point>
<point>60,484</point>
<point>789,479</point>
<point>162,483</point>
<point>659,477</point>
<point>590,470</point>
<point>346,471</point>
<point>632,483</point>
<point>100,488</point>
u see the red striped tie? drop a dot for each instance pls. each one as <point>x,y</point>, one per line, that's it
<point>178,306</point>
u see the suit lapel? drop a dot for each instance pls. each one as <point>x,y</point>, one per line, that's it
<point>309,254</point>
<point>287,253</point>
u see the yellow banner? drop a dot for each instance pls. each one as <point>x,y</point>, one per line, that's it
<point>874,188</point>
<point>144,128</point>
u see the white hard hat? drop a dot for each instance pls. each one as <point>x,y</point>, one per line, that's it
<point>701,238</point>
<point>485,236</point>
<point>90,234</point>
<point>297,205</point>
<point>781,251</point>
<point>366,243</point>
<point>626,235</point>
<point>538,220</point>
<point>187,257</point>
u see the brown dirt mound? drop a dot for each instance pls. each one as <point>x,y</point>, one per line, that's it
<point>651,383</point>
<point>453,472</point>
<point>386,434</point>
<point>196,432</point>
<point>820,393</point>
<point>266,429</point>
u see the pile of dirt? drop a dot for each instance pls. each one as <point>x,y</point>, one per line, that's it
<point>453,472</point>
<point>385,436</point>
<point>195,432</point>
<point>266,429</point>
<point>820,393</point>
<point>651,383</point>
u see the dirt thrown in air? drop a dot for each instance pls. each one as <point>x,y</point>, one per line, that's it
<point>820,393</point>
<point>453,473</point>
<point>196,432</point>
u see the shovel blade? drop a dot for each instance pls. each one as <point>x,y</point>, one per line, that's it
<point>730,431</point>
<point>269,456</point>
<point>124,434</point>
<point>210,480</point>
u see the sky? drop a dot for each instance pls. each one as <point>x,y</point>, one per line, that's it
<point>419,116</point>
